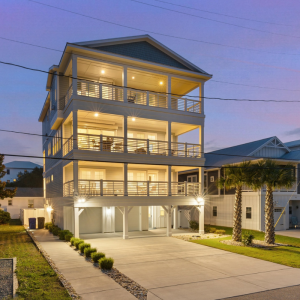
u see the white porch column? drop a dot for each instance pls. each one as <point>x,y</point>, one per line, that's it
<point>201,219</point>
<point>169,176</point>
<point>124,83</point>
<point>169,92</point>
<point>125,133</point>
<point>176,217</point>
<point>169,220</point>
<point>125,223</point>
<point>143,218</point>
<point>201,140</point>
<point>75,177</point>
<point>125,179</point>
<point>169,137</point>
<point>76,222</point>
<point>74,74</point>
<point>201,181</point>
<point>201,95</point>
<point>75,130</point>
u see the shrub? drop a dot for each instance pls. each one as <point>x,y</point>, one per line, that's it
<point>77,243</point>
<point>194,225</point>
<point>50,228</point>
<point>82,246</point>
<point>4,217</point>
<point>56,230</point>
<point>68,236</point>
<point>212,230</point>
<point>96,256</point>
<point>106,263</point>
<point>89,251</point>
<point>206,228</point>
<point>220,231</point>
<point>73,240</point>
<point>62,234</point>
<point>247,238</point>
<point>47,225</point>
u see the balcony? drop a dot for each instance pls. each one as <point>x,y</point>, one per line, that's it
<point>115,144</point>
<point>134,96</point>
<point>134,188</point>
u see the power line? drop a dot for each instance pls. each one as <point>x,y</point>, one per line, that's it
<point>202,97</point>
<point>211,80</point>
<point>136,163</point>
<point>202,152</point>
<point>224,15</point>
<point>217,21</point>
<point>159,33</point>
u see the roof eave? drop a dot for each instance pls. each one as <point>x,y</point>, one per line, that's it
<point>45,108</point>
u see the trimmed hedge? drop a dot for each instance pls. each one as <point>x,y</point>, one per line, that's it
<point>47,225</point>
<point>194,225</point>
<point>77,243</point>
<point>68,236</point>
<point>89,251</point>
<point>56,230</point>
<point>220,231</point>
<point>63,233</point>
<point>96,256</point>
<point>82,246</point>
<point>106,263</point>
<point>51,227</point>
<point>73,240</point>
<point>4,217</point>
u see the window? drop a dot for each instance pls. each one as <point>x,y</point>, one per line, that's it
<point>248,212</point>
<point>192,178</point>
<point>56,142</point>
<point>8,171</point>
<point>49,148</point>
<point>212,178</point>
<point>52,178</point>
<point>215,211</point>
<point>30,203</point>
<point>162,211</point>
<point>10,202</point>
<point>290,210</point>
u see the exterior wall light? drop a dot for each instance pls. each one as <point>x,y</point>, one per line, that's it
<point>96,114</point>
<point>49,209</point>
<point>133,119</point>
<point>200,200</point>
<point>161,83</point>
<point>102,72</point>
<point>81,200</point>
<point>133,77</point>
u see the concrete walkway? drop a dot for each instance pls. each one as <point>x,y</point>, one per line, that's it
<point>88,281</point>
<point>291,233</point>
<point>174,269</point>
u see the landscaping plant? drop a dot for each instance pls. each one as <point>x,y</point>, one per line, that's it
<point>63,233</point>
<point>247,238</point>
<point>212,230</point>
<point>56,230</point>
<point>73,240</point>
<point>234,177</point>
<point>89,251</point>
<point>68,236</point>
<point>47,225</point>
<point>220,232</point>
<point>106,263</point>
<point>4,217</point>
<point>194,225</point>
<point>96,256</point>
<point>82,246</point>
<point>77,243</point>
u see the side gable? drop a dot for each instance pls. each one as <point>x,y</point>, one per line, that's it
<point>273,148</point>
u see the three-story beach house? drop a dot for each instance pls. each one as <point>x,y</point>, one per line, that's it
<point>113,123</point>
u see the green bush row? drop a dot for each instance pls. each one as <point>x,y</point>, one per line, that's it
<point>62,234</point>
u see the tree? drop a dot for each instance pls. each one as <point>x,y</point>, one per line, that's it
<point>234,177</point>
<point>32,179</point>
<point>5,193</point>
<point>267,173</point>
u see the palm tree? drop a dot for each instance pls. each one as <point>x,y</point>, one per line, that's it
<point>234,177</point>
<point>272,176</point>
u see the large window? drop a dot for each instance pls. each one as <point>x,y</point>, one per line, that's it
<point>56,142</point>
<point>215,211</point>
<point>49,148</point>
<point>248,212</point>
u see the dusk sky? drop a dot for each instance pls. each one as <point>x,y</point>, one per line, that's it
<point>227,122</point>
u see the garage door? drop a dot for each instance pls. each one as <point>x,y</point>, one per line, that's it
<point>280,224</point>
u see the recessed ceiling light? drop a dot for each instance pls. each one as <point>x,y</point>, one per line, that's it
<point>96,114</point>
<point>102,71</point>
<point>161,83</point>
<point>133,119</point>
<point>133,77</point>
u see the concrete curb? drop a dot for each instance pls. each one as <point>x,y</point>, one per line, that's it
<point>15,279</point>
<point>71,291</point>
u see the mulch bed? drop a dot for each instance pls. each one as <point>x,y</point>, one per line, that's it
<point>255,244</point>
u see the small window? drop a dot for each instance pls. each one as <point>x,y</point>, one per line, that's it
<point>51,177</point>
<point>9,202</point>
<point>49,148</point>
<point>212,178</point>
<point>162,211</point>
<point>278,210</point>
<point>15,180</point>
<point>215,211</point>
<point>290,210</point>
<point>8,171</point>
<point>30,203</point>
<point>248,212</point>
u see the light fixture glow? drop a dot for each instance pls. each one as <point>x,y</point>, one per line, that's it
<point>200,200</point>
<point>161,83</point>
<point>133,77</point>
<point>49,209</point>
<point>133,119</point>
<point>102,71</point>
<point>96,114</point>
<point>81,200</point>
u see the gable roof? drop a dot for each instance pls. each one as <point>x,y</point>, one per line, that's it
<point>237,153</point>
<point>143,47</point>
<point>293,143</point>
<point>21,165</point>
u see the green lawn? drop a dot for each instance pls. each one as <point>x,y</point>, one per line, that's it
<point>36,278</point>
<point>288,256</point>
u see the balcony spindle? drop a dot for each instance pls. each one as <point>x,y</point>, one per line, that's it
<point>148,188</point>
<point>101,187</point>
<point>148,147</point>
<point>101,142</point>
<point>185,188</point>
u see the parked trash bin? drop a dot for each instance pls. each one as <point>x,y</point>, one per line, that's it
<point>32,223</point>
<point>41,222</point>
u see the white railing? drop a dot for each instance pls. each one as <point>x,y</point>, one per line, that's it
<point>134,188</point>
<point>293,188</point>
<point>68,145</point>
<point>185,149</point>
<point>134,96</point>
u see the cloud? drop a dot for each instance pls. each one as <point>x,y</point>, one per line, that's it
<point>293,132</point>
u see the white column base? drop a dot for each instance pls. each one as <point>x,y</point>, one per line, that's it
<point>201,231</point>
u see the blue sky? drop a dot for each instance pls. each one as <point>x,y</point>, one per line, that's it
<point>227,122</point>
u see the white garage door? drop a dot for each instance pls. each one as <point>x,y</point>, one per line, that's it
<point>280,224</point>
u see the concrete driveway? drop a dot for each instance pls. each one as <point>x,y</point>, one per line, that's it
<point>291,233</point>
<point>174,269</point>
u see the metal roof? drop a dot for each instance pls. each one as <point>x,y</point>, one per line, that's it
<point>293,143</point>
<point>21,165</point>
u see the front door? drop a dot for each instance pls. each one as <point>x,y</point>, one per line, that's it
<point>280,224</point>
<point>108,217</point>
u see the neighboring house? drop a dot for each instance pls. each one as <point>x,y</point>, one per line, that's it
<point>25,198</point>
<point>219,202</point>
<point>13,168</point>
<point>115,113</point>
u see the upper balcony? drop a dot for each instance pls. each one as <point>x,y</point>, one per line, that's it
<point>135,87</point>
